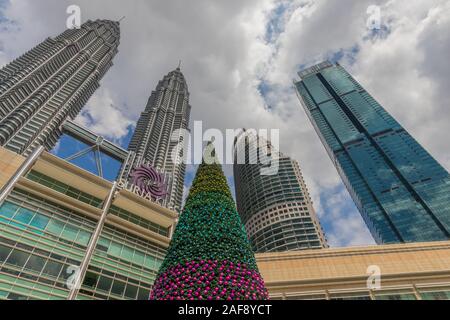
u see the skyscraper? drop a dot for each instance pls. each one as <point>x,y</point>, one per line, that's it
<point>276,209</point>
<point>402,192</point>
<point>52,82</point>
<point>165,116</point>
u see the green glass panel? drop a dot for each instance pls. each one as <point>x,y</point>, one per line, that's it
<point>17,258</point>
<point>144,294</point>
<point>138,258</point>
<point>90,279</point>
<point>35,263</point>
<point>53,268</point>
<point>15,296</point>
<point>104,242</point>
<point>24,290</point>
<point>4,252</point>
<point>8,209</point>
<point>41,287</point>
<point>115,249</point>
<point>70,233</point>
<point>118,288</point>
<point>131,291</point>
<point>24,216</point>
<point>150,262</point>
<point>104,284</point>
<point>40,295</point>
<point>127,253</point>
<point>40,222</point>
<point>396,297</point>
<point>439,295</point>
<point>55,227</point>
<point>83,237</point>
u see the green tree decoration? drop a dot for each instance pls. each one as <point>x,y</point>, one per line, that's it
<point>210,257</point>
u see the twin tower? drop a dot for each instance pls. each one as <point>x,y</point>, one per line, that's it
<point>401,191</point>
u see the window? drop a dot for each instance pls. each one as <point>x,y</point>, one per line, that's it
<point>115,249</point>
<point>149,262</point>
<point>394,296</point>
<point>437,295</point>
<point>127,253</point>
<point>18,258</point>
<point>4,252</point>
<point>138,258</point>
<point>144,294</point>
<point>8,209</point>
<point>24,216</point>
<point>83,237</point>
<point>55,227</point>
<point>69,233</point>
<point>118,288</point>
<point>90,280</point>
<point>131,291</point>
<point>15,296</point>
<point>40,222</point>
<point>104,284</point>
<point>35,263</point>
<point>53,268</point>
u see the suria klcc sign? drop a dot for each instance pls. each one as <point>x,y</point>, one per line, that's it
<point>147,183</point>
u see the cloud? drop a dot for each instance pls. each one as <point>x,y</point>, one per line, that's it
<point>239,58</point>
<point>103,117</point>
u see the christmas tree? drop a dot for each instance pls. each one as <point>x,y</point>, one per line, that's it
<point>210,257</point>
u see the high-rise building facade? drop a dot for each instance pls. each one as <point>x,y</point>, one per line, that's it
<point>52,82</point>
<point>402,192</point>
<point>276,209</point>
<point>158,133</point>
<point>49,216</point>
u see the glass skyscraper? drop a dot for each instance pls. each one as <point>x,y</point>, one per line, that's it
<point>276,209</point>
<point>402,192</point>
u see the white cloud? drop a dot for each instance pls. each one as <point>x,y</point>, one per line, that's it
<point>103,117</point>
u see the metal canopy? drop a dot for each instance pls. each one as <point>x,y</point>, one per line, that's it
<point>96,144</point>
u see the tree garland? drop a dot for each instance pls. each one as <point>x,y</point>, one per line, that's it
<point>210,257</point>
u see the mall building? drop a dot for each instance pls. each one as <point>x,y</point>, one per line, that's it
<point>50,212</point>
<point>419,271</point>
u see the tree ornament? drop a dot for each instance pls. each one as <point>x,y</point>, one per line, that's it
<point>210,256</point>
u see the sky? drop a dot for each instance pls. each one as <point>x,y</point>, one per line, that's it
<point>240,58</point>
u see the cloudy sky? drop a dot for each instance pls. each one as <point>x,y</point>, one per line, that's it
<point>240,57</point>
